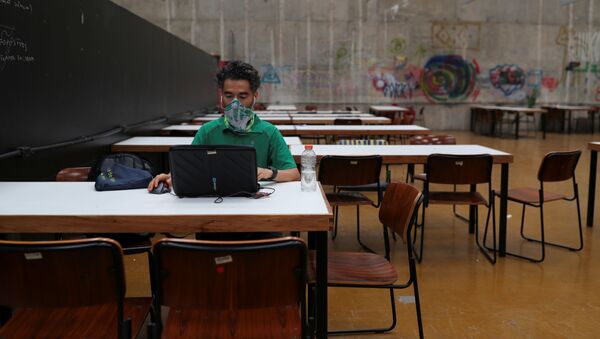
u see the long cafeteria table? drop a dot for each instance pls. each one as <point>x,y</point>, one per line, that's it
<point>163,144</point>
<point>324,130</point>
<point>75,207</point>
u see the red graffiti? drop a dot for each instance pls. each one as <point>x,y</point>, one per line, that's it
<point>550,83</point>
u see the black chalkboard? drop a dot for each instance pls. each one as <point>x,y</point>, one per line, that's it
<point>70,68</point>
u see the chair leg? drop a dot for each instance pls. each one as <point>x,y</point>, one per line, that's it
<point>456,214</point>
<point>490,257</point>
<point>542,242</point>
<point>335,222</point>
<point>413,275</point>
<point>374,330</point>
<point>419,255</point>
<point>365,247</point>
<point>557,244</point>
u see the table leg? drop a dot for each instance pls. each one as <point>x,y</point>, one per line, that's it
<point>592,189</point>
<point>321,284</point>
<point>472,213</point>
<point>544,118</point>
<point>569,122</point>
<point>517,118</point>
<point>503,210</point>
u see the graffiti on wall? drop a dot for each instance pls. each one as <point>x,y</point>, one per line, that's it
<point>398,81</point>
<point>449,78</point>
<point>269,75</point>
<point>507,78</point>
<point>457,35</point>
<point>585,47</point>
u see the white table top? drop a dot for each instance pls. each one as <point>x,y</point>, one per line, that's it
<point>61,203</point>
<point>170,141</point>
<point>574,108</point>
<point>360,128</point>
<point>403,153</point>
<point>197,127</point>
<point>594,145</point>
<point>388,108</point>
<point>282,108</point>
<point>512,108</point>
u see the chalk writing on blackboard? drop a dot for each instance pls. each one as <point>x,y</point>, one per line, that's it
<point>12,48</point>
<point>22,5</point>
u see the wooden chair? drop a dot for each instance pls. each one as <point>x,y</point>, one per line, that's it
<point>398,212</point>
<point>234,289</point>
<point>343,171</point>
<point>67,289</point>
<point>555,167</point>
<point>426,140</point>
<point>461,170</point>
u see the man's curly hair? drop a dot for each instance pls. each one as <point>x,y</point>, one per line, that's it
<point>239,70</point>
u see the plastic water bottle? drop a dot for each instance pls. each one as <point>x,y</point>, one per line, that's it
<point>308,182</point>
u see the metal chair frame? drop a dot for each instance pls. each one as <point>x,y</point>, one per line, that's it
<point>340,187</point>
<point>490,254</point>
<point>540,205</point>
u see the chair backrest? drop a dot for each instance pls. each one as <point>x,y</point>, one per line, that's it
<point>311,107</point>
<point>65,273</point>
<point>224,275</point>
<point>398,207</point>
<point>459,169</point>
<point>349,121</point>
<point>558,166</point>
<point>432,140</point>
<point>349,170</point>
<point>73,174</point>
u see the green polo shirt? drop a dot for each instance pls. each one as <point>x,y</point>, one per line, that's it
<point>271,149</point>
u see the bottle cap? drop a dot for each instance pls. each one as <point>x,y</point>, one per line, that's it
<point>308,146</point>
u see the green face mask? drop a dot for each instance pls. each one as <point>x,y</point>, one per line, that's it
<point>238,117</point>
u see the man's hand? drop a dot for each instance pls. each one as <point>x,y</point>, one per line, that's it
<point>166,178</point>
<point>264,173</point>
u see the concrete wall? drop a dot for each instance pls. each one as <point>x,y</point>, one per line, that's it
<point>357,52</point>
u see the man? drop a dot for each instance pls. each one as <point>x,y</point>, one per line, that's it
<point>239,83</point>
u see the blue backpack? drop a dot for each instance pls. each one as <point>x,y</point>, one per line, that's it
<point>121,171</point>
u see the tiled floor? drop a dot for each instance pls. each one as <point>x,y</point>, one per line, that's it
<point>462,295</point>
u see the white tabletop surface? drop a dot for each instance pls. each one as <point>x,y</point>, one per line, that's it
<point>81,199</point>
<point>574,108</point>
<point>512,108</point>
<point>388,108</point>
<point>281,108</point>
<point>169,141</point>
<point>197,127</point>
<point>361,128</point>
<point>397,150</point>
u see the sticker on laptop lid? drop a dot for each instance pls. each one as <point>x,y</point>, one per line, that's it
<point>223,260</point>
<point>33,256</point>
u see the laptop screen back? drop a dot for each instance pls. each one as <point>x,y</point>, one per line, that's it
<point>213,170</point>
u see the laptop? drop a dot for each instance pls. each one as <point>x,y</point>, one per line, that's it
<point>213,170</point>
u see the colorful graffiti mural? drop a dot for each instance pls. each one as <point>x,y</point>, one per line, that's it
<point>398,82</point>
<point>449,78</point>
<point>507,78</point>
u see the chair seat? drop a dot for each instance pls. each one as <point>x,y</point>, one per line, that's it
<point>531,195</point>
<point>245,323</point>
<point>355,268</point>
<point>348,198</point>
<point>457,198</point>
<point>366,188</point>
<point>98,321</point>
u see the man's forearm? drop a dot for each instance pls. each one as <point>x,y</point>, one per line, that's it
<point>291,174</point>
